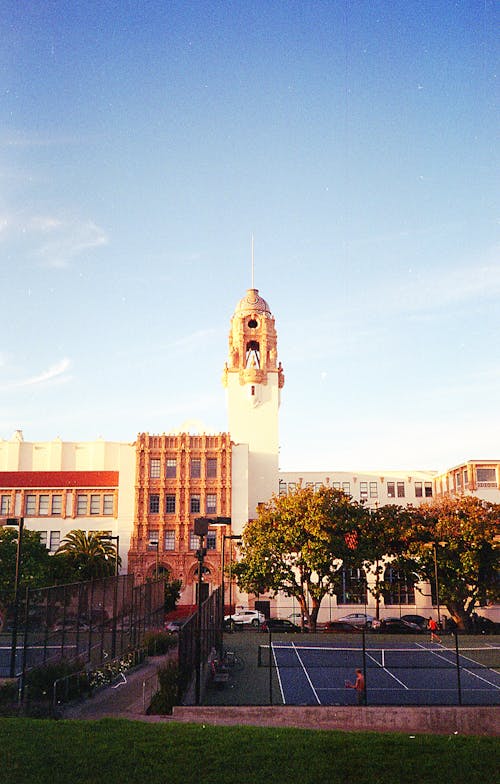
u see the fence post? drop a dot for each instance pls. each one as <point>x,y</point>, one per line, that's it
<point>459,683</point>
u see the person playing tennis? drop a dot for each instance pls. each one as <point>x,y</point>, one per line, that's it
<point>360,687</point>
<point>433,628</point>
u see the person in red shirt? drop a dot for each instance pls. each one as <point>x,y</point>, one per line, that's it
<point>433,628</point>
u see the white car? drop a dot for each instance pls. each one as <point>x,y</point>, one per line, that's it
<point>358,619</point>
<point>251,617</point>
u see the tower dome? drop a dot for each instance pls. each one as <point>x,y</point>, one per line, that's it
<point>252,302</point>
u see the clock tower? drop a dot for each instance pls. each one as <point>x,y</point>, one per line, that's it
<point>253,379</point>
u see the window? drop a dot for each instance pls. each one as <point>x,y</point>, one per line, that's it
<point>154,536</point>
<point>170,504</point>
<point>56,504</point>
<point>95,504</point>
<point>351,586</point>
<point>211,503</point>
<point>292,486</point>
<point>400,587</point>
<point>363,490</point>
<point>30,505</point>
<point>5,504</point>
<point>373,490</point>
<point>401,489</point>
<point>43,537</point>
<point>336,485</point>
<point>154,503</point>
<point>195,472</point>
<point>466,478</point>
<point>194,541</point>
<point>81,504</point>
<point>55,539</point>
<point>346,488</point>
<point>211,540</point>
<point>418,489</point>
<point>171,468</point>
<point>211,467</point>
<point>108,504</point>
<point>428,489</point>
<point>195,503</point>
<point>391,490</point>
<point>487,475</point>
<point>458,481</point>
<point>155,468</point>
<point>169,540</point>
<point>43,504</point>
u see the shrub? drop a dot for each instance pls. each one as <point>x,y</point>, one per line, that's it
<point>167,695</point>
<point>40,681</point>
<point>159,642</point>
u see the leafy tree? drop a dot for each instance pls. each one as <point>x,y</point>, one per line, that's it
<point>464,531</point>
<point>87,555</point>
<point>172,593</point>
<point>35,563</point>
<point>294,542</point>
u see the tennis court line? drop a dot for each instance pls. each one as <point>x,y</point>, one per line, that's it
<point>388,672</point>
<point>307,675</point>
<point>279,676</point>
<point>463,669</point>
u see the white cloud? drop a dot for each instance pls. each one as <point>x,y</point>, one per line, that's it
<point>55,373</point>
<point>67,240</point>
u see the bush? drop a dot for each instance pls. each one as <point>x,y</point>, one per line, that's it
<point>159,642</point>
<point>167,695</point>
<point>40,681</point>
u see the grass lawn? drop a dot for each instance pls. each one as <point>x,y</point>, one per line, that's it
<point>125,752</point>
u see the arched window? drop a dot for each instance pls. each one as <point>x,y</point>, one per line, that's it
<point>351,586</point>
<point>399,586</point>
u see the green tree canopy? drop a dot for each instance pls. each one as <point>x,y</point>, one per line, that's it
<point>35,563</point>
<point>87,555</point>
<point>465,533</point>
<point>294,542</point>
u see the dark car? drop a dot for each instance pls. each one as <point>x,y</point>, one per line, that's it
<point>279,625</point>
<point>397,626</point>
<point>331,627</point>
<point>420,620</point>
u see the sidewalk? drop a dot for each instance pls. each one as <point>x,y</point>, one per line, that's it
<point>125,699</point>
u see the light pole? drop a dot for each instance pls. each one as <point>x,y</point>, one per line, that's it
<point>18,521</point>
<point>109,538</point>
<point>436,580</point>
<point>156,545</point>
<point>225,538</point>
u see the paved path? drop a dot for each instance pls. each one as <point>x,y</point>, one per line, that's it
<point>124,699</point>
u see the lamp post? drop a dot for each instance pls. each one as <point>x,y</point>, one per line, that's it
<point>436,580</point>
<point>154,543</point>
<point>110,538</point>
<point>18,521</point>
<point>225,538</point>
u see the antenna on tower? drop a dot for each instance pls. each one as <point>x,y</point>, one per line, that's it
<point>252,265</point>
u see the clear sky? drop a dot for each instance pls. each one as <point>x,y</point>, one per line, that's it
<point>143,143</point>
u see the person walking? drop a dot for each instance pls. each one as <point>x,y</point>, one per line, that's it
<point>360,687</point>
<point>433,628</point>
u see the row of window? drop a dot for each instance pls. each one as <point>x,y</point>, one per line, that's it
<point>210,541</point>
<point>51,504</point>
<point>366,489</point>
<point>195,465</point>
<point>352,588</point>
<point>194,503</point>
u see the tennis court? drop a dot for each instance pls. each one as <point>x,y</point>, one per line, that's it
<point>421,673</point>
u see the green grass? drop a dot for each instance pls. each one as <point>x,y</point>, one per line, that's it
<point>118,751</point>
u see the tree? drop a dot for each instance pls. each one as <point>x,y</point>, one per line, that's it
<point>294,542</point>
<point>462,535</point>
<point>35,563</point>
<point>88,555</point>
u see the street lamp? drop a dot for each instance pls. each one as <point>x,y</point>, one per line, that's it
<point>434,546</point>
<point>155,544</point>
<point>110,538</point>
<point>225,538</point>
<point>18,521</point>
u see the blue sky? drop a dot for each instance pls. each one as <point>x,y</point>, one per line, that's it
<point>141,146</point>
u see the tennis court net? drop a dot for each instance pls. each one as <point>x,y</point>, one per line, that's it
<point>309,657</point>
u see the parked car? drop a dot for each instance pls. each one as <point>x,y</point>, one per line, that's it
<point>296,617</point>
<point>398,626</point>
<point>420,620</point>
<point>282,625</point>
<point>338,626</point>
<point>244,618</point>
<point>358,619</point>
<point>175,625</point>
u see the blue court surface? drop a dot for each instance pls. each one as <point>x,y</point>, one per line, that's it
<point>419,674</point>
